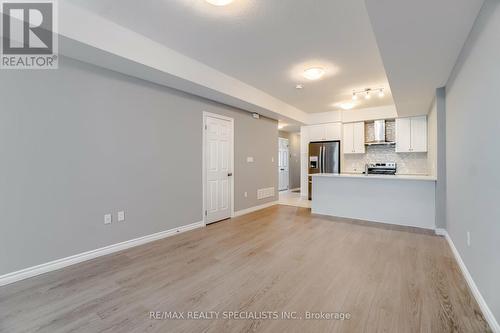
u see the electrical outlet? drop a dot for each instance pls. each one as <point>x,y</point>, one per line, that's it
<point>121,216</point>
<point>108,218</point>
<point>468,238</point>
<point>245,194</point>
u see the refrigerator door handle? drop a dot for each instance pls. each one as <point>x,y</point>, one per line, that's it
<point>324,159</point>
<point>320,159</point>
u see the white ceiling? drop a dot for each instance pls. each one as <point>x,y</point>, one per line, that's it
<point>266,44</point>
<point>419,43</point>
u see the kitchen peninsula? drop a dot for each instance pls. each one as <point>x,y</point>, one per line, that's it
<point>395,199</point>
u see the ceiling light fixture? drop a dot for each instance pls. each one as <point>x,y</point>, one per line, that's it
<point>346,106</point>
<point>219,2</point>
<point>367,93</point>
<point>314,73</point>
<point>299,86</point>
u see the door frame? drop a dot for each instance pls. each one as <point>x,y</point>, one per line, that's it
<point>203,157</point>
<point>288,163</point>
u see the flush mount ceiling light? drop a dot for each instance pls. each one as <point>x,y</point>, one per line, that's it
<point>314,73</point>
<point>346,106</point>
<point>219,2</point>
<point>299,86</point>
<point>367,93</point>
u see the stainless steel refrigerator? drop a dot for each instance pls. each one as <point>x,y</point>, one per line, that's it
<point>324,157</point>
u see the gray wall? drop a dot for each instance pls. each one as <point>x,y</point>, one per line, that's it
<point>295,160</point>
<point>432,140</point>
<point>294,150</point>
<point>473,154</point>
<point>441,158</point>
<point>81,141</point>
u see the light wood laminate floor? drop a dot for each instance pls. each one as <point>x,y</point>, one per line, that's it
<point>278,259</point>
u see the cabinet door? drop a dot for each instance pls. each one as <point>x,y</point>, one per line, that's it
<point>317,133</point>
<point>403,135</point>
<point>348,139</point>
<point>418,134</point>
<point>359,137</point>
<point>333,131</point>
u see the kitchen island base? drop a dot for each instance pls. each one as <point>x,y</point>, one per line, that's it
<point>387,199</point>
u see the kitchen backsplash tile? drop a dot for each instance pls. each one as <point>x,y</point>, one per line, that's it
<point>407,163</point>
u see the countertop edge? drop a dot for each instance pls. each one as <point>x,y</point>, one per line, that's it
<point>385,177</point>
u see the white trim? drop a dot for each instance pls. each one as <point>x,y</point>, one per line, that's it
<point>204,176</point>
<point>488,315</point>
<point>440,232</point>
<point>78,258</point>
<point>255,208</point>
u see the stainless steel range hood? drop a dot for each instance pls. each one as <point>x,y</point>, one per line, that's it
<point>379,132</point>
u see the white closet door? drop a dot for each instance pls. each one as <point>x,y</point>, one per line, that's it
<point>218,196</point>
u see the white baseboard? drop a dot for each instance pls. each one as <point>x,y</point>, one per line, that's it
<point>254,208</point>
<point>440,232</point>
<point>78,258</point>
<point>488,315</point>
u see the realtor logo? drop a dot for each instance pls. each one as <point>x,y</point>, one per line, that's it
<point>29,39</point>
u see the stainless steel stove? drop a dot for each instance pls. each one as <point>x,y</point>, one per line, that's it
<point>381,168</point>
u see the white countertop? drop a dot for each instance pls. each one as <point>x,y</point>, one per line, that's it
<point>363,176</point>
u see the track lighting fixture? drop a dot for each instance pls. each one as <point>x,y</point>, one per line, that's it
<point>367,93</point>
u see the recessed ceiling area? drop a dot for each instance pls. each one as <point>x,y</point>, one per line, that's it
<point>268,44</point>
<point>419,42</point>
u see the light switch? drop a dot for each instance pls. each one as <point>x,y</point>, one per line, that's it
<point>108,219</point>
<point>250,159</point>
<point>246,194</point>
<point>121,216</point>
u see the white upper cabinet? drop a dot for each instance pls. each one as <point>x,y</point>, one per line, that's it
<point>324,132</point>
<point>411,134</point>
<point>359,138</point>
<point>419,134</point>
<point>403,135</point>
<point>317,133</point>
<point>348,139</point>
<point>333,131</point>
<point>354,138</point>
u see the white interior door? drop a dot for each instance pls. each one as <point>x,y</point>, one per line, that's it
<point>218,168</point>
<point>283,164</point>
